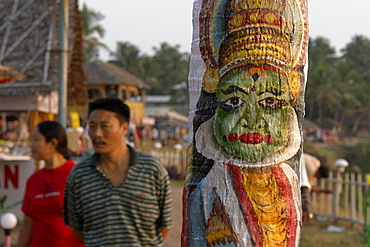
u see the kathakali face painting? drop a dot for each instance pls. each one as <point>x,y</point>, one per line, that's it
<point>251,121</point>
<point>249,57</point>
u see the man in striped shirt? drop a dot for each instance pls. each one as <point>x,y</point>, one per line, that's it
<point>118,196</point>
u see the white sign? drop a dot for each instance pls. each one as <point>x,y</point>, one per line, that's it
<point>14,173</point>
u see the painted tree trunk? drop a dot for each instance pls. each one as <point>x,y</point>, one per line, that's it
<point>247,80</point>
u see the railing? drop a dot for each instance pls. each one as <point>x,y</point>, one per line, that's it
<point>347,202</point>
<point>173,160</point>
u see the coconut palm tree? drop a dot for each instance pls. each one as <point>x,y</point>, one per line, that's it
<point>92,32</point>
<point>128,57</point>
<point>322,94</point>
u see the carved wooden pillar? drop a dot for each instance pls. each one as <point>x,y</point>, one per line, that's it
<point>247,80</point>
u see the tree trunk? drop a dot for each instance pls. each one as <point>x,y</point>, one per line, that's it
<point>247,79</point>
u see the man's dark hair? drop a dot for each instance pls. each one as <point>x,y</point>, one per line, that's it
<point>114,105</point>
<point>323,171</point>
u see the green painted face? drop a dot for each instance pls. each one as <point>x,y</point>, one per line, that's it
<point>251,120</point>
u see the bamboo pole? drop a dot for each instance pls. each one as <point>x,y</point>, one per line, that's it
<point>63,67</point>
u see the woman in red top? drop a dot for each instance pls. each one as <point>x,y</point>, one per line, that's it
<point>43,200</point>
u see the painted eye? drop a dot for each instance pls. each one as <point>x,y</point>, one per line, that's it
<point>268,102</point>
<point>272,103</point>
<point>231,104</point>
<point>234,102</point>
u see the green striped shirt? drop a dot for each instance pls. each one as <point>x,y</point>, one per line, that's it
<point>131,214</point>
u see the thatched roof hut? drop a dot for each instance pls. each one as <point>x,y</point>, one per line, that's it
<point>109,80</point>
<point>100,73</point>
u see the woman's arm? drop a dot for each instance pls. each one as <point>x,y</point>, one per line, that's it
<point>25,234</point>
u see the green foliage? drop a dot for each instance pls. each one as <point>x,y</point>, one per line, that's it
<point>165,69</point>
<point>359,156</point>
<point>170,66</point>
<point>357,54</point>
<point>128,57</point>
<point>91,28</point>
<point>338,86</point>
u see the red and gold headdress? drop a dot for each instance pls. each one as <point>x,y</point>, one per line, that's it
<point>235,33</point>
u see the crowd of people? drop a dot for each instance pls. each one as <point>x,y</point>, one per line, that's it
<point>118,196</point>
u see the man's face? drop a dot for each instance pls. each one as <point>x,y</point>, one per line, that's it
<point>106,132</point>
<point>251,120</point>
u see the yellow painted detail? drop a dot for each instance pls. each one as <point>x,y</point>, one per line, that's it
<point>269,206</point>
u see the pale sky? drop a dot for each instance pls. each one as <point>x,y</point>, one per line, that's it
<point>147,23</point>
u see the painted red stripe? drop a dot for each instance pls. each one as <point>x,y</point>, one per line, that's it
<point>247,207</point>
<point>184,232</point>
<point>249,213</point>
<point>286,189</point>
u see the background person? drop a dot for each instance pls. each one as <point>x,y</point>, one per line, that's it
<point>132,137</point>
<point>43,200</point>
<point>311,169</point>
<point>119,196</point>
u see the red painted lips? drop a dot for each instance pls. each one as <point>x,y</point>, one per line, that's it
<point>251,138</point>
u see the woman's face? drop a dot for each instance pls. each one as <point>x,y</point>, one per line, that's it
<point>251,120</point>
<point>40,148</point>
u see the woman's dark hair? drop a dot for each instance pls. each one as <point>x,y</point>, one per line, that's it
<point>51,130</point>
<point>115,105</point>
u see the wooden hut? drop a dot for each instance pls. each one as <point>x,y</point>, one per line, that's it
<point>109,80</point>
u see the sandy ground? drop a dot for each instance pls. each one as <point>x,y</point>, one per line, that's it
<point>173,238</point>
